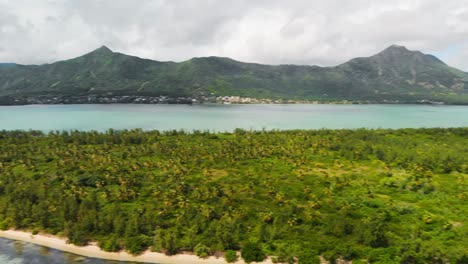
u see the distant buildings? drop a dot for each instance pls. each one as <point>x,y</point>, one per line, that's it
<point>201,99</point>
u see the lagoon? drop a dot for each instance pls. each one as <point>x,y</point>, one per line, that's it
<point>101,117</point>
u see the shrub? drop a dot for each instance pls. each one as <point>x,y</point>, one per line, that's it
<point>77,237</point>
<point>331,256</point>
<point>309,257</point>
<point>6,224</point>
<point>109,245</point>
<point>137,244</point>
<point>230,256</point>
<point>251,252</point>
<point>462,260</point>
<point>201,250</point>
<point>166,241</point>
<point>360,261</point>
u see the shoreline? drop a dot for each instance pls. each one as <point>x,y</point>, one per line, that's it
<point>93,251</point>
<point>283,103</point>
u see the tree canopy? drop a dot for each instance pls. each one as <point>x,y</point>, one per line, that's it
<point>386,196</point>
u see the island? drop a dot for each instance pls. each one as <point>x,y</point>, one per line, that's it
<point>395,75</point>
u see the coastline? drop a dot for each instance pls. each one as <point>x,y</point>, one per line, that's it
<point>93,251</point>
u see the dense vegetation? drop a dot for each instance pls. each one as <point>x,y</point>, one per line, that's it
<point>395,74</point>
<point>384,196</point>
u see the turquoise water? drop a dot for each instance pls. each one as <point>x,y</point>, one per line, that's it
<point>16,252</point>
<point>229,117</point>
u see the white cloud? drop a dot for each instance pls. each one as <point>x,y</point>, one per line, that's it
<point>265,31</point>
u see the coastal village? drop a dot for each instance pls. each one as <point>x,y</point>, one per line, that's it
<point>110,98</point>
<point>141,99</point>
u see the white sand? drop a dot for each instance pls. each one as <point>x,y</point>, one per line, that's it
<point>93,251</point>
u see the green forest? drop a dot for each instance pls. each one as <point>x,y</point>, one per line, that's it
<point>395,74</point>
<point>371,196</point>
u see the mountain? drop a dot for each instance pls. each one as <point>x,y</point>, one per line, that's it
<point>395,74</point>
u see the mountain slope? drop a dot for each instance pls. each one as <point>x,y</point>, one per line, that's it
<point>397,70</point>
<point>393,74</point>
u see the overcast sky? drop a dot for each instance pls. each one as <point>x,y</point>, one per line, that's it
<point>325,32</point>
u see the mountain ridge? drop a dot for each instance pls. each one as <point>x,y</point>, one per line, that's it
<point>394,74</point>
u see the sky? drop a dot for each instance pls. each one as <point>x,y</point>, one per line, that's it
<point>308,32</point>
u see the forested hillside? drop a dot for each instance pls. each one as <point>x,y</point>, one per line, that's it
<point>396,74</point>
<point>384,196</point>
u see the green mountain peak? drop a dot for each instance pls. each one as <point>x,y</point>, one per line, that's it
<point>99,52</point>
<point>103,49</point>
<point>397,52</point>
<point>397,48</point>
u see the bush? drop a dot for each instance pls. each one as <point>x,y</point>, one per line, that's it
<point>349,252</point>
<point>384,255</point>
<point>283,258</point>
<point>137,244</point>
<point>167,241</point>
<point>331,256</point>
<point>77,237</point>
<point>462,260</point>
<point>201,250</point>
<point>6,224</point>
<point>230,256</point>
<point>309,257</point>
<point>109,245</point>
<point>360,261</point>
<point>251,252</point>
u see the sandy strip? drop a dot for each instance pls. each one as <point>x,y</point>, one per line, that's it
<point>93,251</point>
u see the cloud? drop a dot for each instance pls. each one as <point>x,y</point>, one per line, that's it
<point>274,31</point>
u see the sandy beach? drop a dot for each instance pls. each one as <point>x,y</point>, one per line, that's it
<point>93,251</point>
